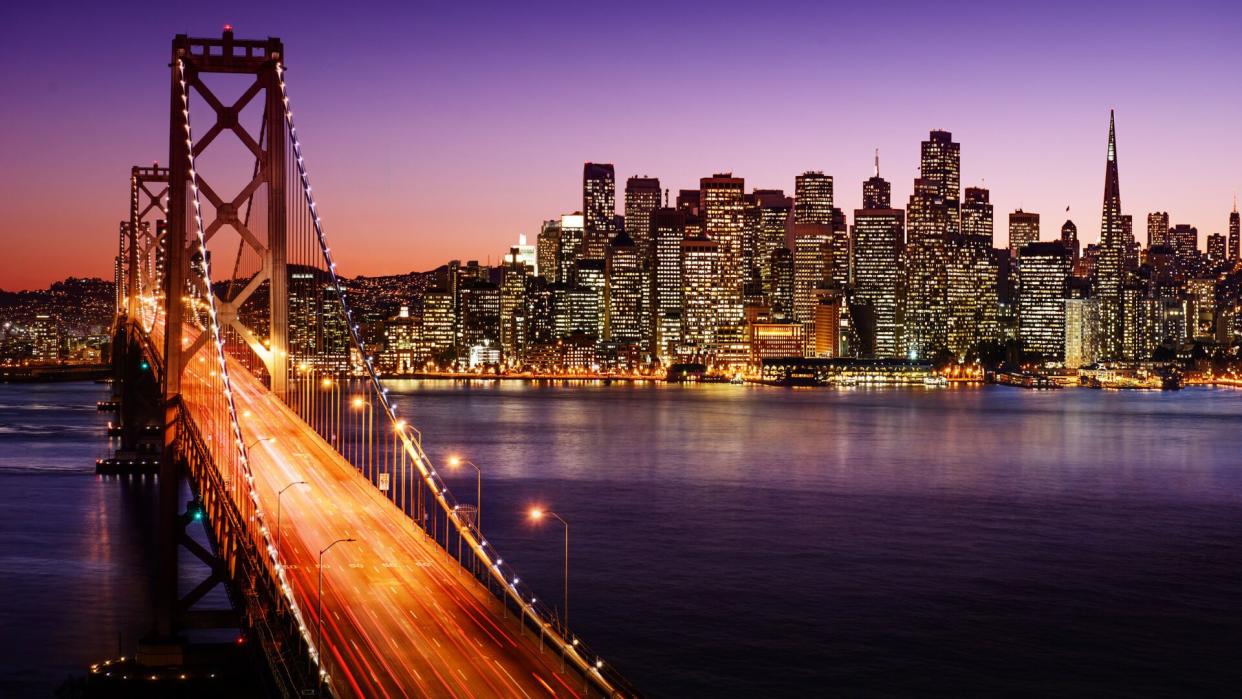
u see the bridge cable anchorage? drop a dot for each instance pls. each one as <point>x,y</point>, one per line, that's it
<point>590,664</point>
<point>218,343</point>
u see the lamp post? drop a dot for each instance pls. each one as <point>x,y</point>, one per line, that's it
<point>278,494</point>
<point>457,461</point>
<point>319,616</point>
<point>366,425</point>
<point>537,514</point>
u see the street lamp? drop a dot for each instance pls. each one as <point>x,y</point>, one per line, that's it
<point>260,439</point>
<point>455,462</point>
<point>366,427</point>
<point>319,615</point>
<point>278,494</point>
<point>537,514</point>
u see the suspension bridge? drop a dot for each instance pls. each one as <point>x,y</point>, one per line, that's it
<point>240,368</point>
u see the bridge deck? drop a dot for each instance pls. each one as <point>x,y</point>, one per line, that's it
<point>401,617</point>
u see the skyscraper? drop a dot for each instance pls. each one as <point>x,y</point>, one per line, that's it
<point>1043,276</point>
<point>547,249</point>
<point>569,249</point>
<point>599,208</point>
<point>1235,231</point>
<point>879,237</point>
<point>813,198</point>
<point>700,265</point>
<point>941,166</point>
<point>642,197</point>
<point>1216,248</point>
<point>1157,228</point>
<point>623,295</point>
<point>926,308</point>
<point>721,206</point>
<point>1023,230</point>
<point>977,224</point>
<point>1069,238</point>
<point>971,276</point>
<point>668,229</point>
<point>1110,266</point>
<point>771,222</point>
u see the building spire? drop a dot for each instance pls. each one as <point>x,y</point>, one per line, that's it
<point>877,171</point>
<point>1112,138</point>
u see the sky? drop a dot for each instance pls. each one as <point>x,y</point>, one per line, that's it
<point>438,131</point>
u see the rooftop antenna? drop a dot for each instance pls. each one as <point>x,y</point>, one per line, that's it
<point>666,198</point>
<point>877,162</point>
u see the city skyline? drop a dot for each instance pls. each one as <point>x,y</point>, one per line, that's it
<point>1031,138</point>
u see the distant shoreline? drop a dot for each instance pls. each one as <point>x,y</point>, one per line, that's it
<point>55,373</point>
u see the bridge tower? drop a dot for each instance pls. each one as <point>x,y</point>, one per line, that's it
<point>192,58</point>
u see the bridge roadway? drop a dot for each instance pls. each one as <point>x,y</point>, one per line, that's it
<point>402,618</point>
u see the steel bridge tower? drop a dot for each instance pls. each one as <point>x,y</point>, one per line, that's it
<point>193,58</point>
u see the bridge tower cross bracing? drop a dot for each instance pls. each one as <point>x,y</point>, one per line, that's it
<point>191,59</point>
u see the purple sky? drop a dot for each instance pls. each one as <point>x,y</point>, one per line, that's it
<point>437,132</point>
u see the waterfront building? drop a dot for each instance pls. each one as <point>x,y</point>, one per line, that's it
<point>480,313</point>
<point>878,242</point>
<point>668,229</point>
<point>973,302</point>
<point>514,279</point>
<point>926,258</point>
<point>45,338</point>
<point>1081,324</point>
<point>1023,230</point>
<point>771,340</point>
<point>721,204</point>
<point>1043,275</point>
<point>700,265</point>
<point>623,297</point>
<point>827,323</point>
<point>599,208</point>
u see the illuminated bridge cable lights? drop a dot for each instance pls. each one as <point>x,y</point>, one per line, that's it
<point>541,617</point>
<point>214,327</point>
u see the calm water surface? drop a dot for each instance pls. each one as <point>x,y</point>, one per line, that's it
<point>744,541</point>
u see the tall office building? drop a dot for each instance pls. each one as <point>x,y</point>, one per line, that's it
<point>1184,239</point>
<point>1157,228</point>
<point>668,229</point>
<point>547,249</point>
<point>927,232</point>
<point>526,254</point>
<point>977,223</point>
<point>771,222</point>
<point>840,272</point>
<point>812,267</point>
<point>1043,278</point>
<point>1069,239</point>
<point>623,279</point>
<point>721,204</point>
<point>877,192</point>
<point>700,279</point>
<point>940,165</point>
<point>1235,231</point>
<point>599,208</point>
<point>781,285</point>
<point>642,197</point>
<point>1110,266</point>
<point>515,274</point>
<point>589,274</point>
<point>1081,322</point>
<point>813,198</point>
<point>1023,230</point>
<point>1216,248</point>
<point>879,238</point>
<point>570,248</point>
